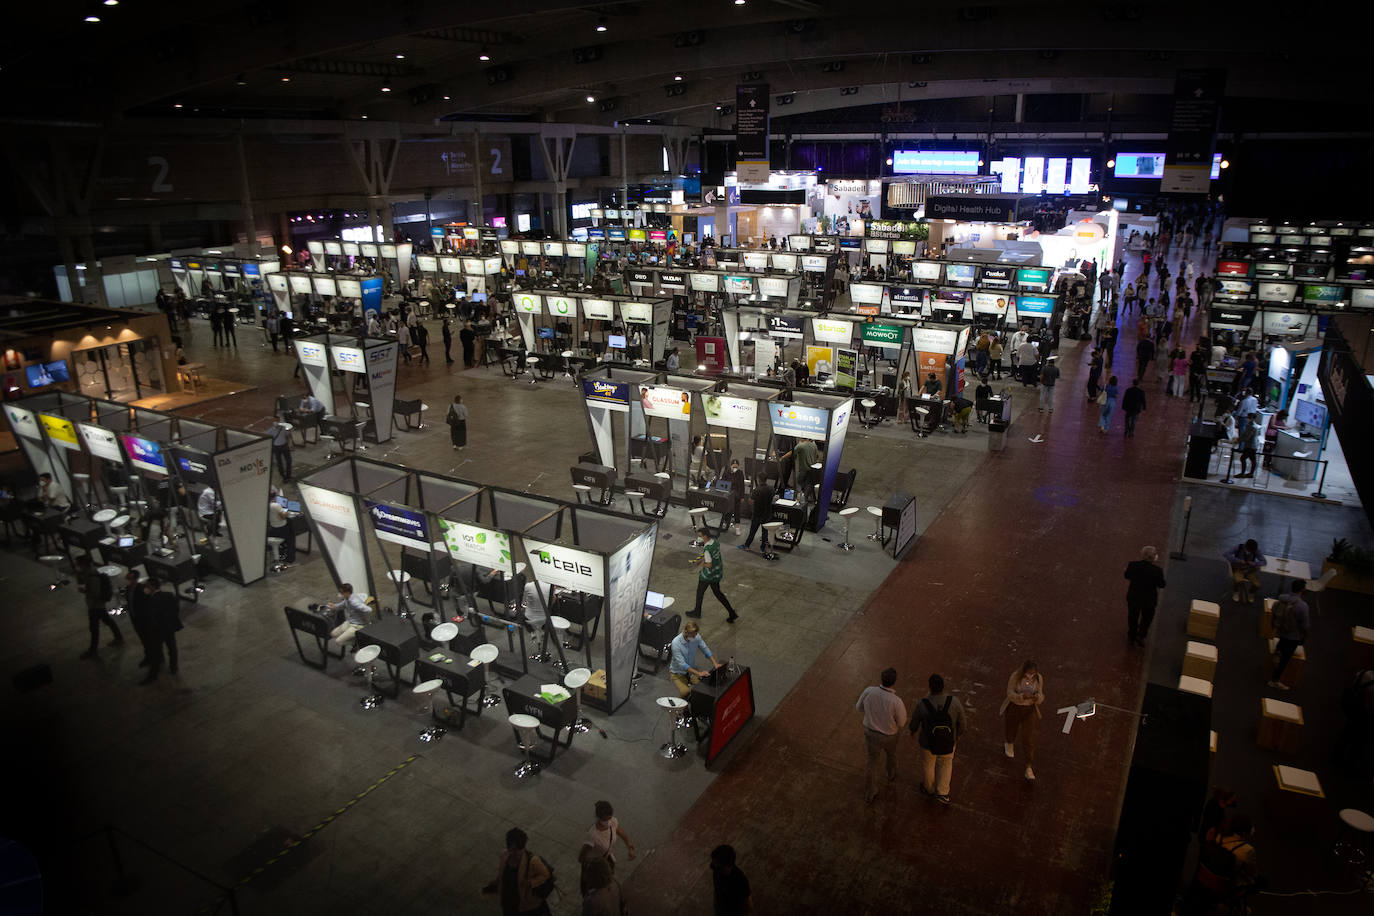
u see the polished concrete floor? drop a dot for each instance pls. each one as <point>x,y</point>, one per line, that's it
<point>251,771</point>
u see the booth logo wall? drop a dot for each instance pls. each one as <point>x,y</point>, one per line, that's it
<point>528,303</point>
<point>785,326</point>
<point>831,330</point>
<point>349,359</point>
<point>23,422</point>
<point>668,403</point>
<point>567,567</point>
<point>244,476</point>
<point>399,525</point>
<point>61,431</point>
<point>882,335</point>
<point>796,420</point>
<point>599,309</point>
<point>711,355</point>
<point>820,359</point>
<point>145,454</point>
<point>481,547</point>
<point>626,591</point>
<point>637,312</point>
<point>612,395</point>
<point>733,413</point>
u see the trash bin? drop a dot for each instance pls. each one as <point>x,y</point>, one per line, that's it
<point>1202,438</point>
<point>997,435</point>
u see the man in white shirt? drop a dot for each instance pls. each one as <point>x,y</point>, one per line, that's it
<point>50,493</point>
<point>1218,354</point>
<point>1028,361</point>
<point>1249,405</point>
<point>884,716</point>
<point>312,404</point>
<point>279,526</point>
<point>207,507</point>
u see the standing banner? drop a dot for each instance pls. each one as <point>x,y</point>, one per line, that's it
<point>314,357</point>
<point>61,431</point>
<point>372,295</point>
<point>30,438</point>
<point>245,481</point>
<point>626,590</point>
<point>381,386</point>
<point>820,359</point>
<point>281,296</point>
<point>926,363</point>
<point>846,374</point>
<point>1192,131</point>
<point>834,448</point>
<point>335,518</point>
<point>765,352</point>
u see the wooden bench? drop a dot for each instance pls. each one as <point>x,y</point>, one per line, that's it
<point>1280,727</point>
<point>1203,617</point>
<point>1291,674</point>
<point>1200,660</point>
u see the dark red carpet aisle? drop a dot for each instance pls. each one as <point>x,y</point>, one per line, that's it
<point>1025,563</point>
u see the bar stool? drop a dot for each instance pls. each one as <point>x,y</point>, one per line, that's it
<point>770,528</point>
<point>81,483</point>
<point>104,517</point>
<point>575,680</point>
<point>817,467</point>
<point>444,633</point>
<point>425,690</point>
<point>485,654</point>
<point>402,580</point>
<point>530,363</point>
<point>567,363</point>
<point>1356,828</point>
<point>674,705</point>
<point>527,739</point>
<point>662,508</point>
<point>365,658</point>
<point>583,492</point>
<point>560,626</point>
<point>877,513</point>
<point>53,561</point>
<point>869,420</point>
<point>333,448</point>
<point>846,513</point>
<point>274,553</point>
<point>121,495</point>
<point>695,516</point>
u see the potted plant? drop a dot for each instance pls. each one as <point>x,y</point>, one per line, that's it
<point>1354,567</point>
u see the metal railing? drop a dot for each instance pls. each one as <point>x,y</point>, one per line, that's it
<point>1225,463</point>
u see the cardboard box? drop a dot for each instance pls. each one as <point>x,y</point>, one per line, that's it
<point>595,688</point>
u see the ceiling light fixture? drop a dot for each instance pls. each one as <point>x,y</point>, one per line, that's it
<point>400,57</point>
<point>1226,163</point>
<point>241,81</point>
<point>364,117</point>
<point>1111,163</point>
<point>286,79</point>
<point>112,2</point>
<point>591,98</point>
<point>92,18</point>
<point>386,88</point>
<point>177,105</point>
<point>678,78</point>
<point>484,55</point>
<point>601,24</point>
<point>446,98</point>
<point>739,2</point>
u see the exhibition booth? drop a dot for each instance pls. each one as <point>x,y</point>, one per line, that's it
<point>126,466</point>
<point>359,365</point>
<point>540,313</point>
<point>467,552</point>
<point>471,275</point>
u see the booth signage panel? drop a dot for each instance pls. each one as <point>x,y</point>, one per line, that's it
<point>567,567</point>
<point>60,430</point>
<point>1033,277</point>
<point>528,303</point>
<point>562,306</point>
<point>330,508</point>
<point>773,287</point>
<point>145,454</point>
<point>473,267</point>
<point>350,289</point>
<point>389,251</point>
<point>450,265</point>
<point>926,271</point>
<point>369,250</point>
<point>882,335</point>
<point>626,591</point>
<point>668,403</point>
<point>977,207</point>
<point>1325,294</point>
<point>529,248</point>
<point>510,246</point>
<point>194,465</point>
<point>427,262</point>
<point>381,386</point>
<point>831,330</point>
<point>706,283</point>
<point>101,442</point>
<point>1034,305</point>
<point>300,284</point>
<point>732,413</point>
<point>820,359</point>
<point>815,263</point>
<point>866,293</point>
<point>615,234</point>
<point>928,363</point>
<point>325,286</point>
<point>399,524</point>
<point>990,303</point>
<point>611,395</point>
<point>1234,289</point>
<point>277,283</point>
<point>799,242</point>
<point>575,250</point>
<point>935,340</point>
<point>1231,319</point>
<point>23,422</point>
<point>734,707</point>
<point>740,286</point>
<point>846,374</point>
<point>785,326</point>
<point>797,420</point>
<point>906,247</point>
<point>1275,291</point>
<point>637,312</point>
<point>642,277</point>
<point>638,235</point>
<point>1362,298</point>
<point>710,353</point>
<point>783,261</point>
<point>876,246</point>
<point>334,248</point>
<point>996,275</point>
<point>1285,323</point>
<point>890,228</point>
<point>349,359</point>
<point>311,353</point>
<point>553,249</point>
<point>599,309</point>
<point>756,260</point>
<point>672,280</point>
<point>479,546</point>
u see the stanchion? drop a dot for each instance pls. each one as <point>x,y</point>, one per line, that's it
<point>1321,484</point>
<point>1182,552</point>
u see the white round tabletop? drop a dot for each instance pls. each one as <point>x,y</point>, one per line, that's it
<point>566,353</point>
<point>531,359</point>
<point>664,475</point>
<point>81,477</point>
<point>233,311</point>
<point>113,570</point>
<point>428,686</point>
<point>849,510</point>
<point>1358,820</point>
<point>424,407</point>
<point>520,720</point>
<point>363,404</point>
<point>119,521</point>
<point>559,623</point>
<point>923,411</point>
<point>869,402</point>
<point>444,632</point>
<point>581,486</point>
<point>485,653</point>
<point>450,305</point>
<point>577,678</point>
<point>104,515</point>
<point>698,510</point>
<point>367,654</point>
<point>875,511</point>
<point>51,558</point>
<point>671,702</point>
<point>398,575</point>
<point>288,426</point>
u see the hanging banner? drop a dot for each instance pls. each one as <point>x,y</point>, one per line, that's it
<point>882,335</point>
<point>348,359</point>
<point>846,374</point>
<point>399,525</point>
<point>599,309</point>
<point>528,303</point>
<point>625,594</point>
<point>785,326</point>
<point>482,547</point>
<point>611,395</point>
<point>711,355</point>
<point>61,431</point>
<point>101,442</point>
<point>561,306</point>
<point>244,482</point>
<point>732,413</point>
<point>795,420</point>
<point>144,454</point>
<point>990,303</point>
<point>1192,131</point>
<point>751,123</point>
<point>832,330</point>
<point>668,403</point>
<point>381,386</point>
<point>567,567</point>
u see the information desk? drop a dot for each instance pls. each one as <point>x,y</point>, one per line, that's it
<point>317,627</point>
<point>176,569</point>
<point>82,534</point>
<point>1289,449</point>
<point>657,631</point>
<point>523,697</point>
<point>462,677</point>
<point>646,488</point>
<point>725,704</point>
<point>399,642</point>
<point>600,476</point>
<point>793,517</point>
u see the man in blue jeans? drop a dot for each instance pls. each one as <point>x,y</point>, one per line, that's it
<point>1049,374</point>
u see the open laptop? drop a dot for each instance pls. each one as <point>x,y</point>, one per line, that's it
<point>126,540</point>
<point>654,600</point>
<point>293,506</point>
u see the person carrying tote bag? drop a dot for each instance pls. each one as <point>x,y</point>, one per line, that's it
<point>457,419</point>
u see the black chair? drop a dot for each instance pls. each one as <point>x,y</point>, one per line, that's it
<point>839,496</point>
<point>408,410</point>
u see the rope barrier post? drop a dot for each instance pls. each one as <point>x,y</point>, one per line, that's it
<point>1321,484</point>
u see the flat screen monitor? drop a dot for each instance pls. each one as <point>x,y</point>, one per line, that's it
<point>39,376</point>
<point>282,501</point>
<point>1310,413</point>
<point>293,506</point>
<point>519,272</point>
<point>58,370</point>
<point>1139,165</point>
<point>616,341</point>
<point>548,273</point>
<point>545,333</point>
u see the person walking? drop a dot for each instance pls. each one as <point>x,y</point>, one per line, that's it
<point>1144,354</point>
<point>273,325</point>
<point>520,878</point>
<point>140,612</point>
<point>712,572</point>
<point>281,447</point>
<point>1094,374</point>
<point>1142,595</point>
<point>95,585</point>
<point>602,895</point>
<point>1291,620</point>
<point>1132,405</point>
<point>761,499</point>
<point>419,336</point>
<point>1020,713</point>
<point>937,724</point>
<point>884,715</point>
<point>216,327</point>
<point>166,621</point>
<point>457,420</point>
<point>446,329</point>
<point>995,356</point>
<point>1178,375</point>
<point>468,338</point>
<point>598,846</point>
<point>1049,375</point>
<point>730,886</point>
<point>1107,398</point>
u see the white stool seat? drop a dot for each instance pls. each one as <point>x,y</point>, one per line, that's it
<point>81,477</point>
<point>582,488</point>
<point>444,632</point>
<point>120,521</point>
<point>923,411</point>
<point>400,576</point>
<point>848,511</point>
<point>485,654</point>
<point>875,511</point>
<point>367,654</point>
<point>559,623</point>
<point>663,475</point>
<point>1207,608</point>
<point>531,360</point>
<point>362,404</point>
<point>566,353</point>
<point>576,678</point>
<point>698,510</point>
<point>104,516</point>
<point>671,702</point>
<point>1202,650</point>
<point>817,466</point>
<point>1357,820</point>
<point>522,721</point>
<point>52,559</point>
<point>771,526</point>
<point>668,601</point>
<point>428,686</point>
<point>869,402</point>
<point>114,570</point>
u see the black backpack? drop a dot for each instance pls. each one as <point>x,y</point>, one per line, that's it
<point>939,727</point>
<point>106,589</point>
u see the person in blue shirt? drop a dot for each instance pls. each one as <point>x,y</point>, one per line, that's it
<point>1245,561</point>
<point>684,653</point>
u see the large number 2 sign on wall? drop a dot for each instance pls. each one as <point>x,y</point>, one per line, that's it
<point>160,183</point>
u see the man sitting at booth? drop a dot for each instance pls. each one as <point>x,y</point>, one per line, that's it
<point>684,652</point>
<point>51,494</point>
<point>355,612</point>
<point>312,404</point>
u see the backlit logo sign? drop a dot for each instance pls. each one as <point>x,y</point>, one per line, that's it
<point>560,305</point>
<point>548,559</point>
<point>796,420</point>
<point>528,303</point>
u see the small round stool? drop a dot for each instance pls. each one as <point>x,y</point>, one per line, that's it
<point>697,516</point>
<point>847,513</point>
<point>54,560</point>
<point>877,514</point>
<point>575,680</point>
<point>674,705</point>
<point>769,528</point>
<point>443,633</point>
<point>567,365</point>
<point>1356,827</point>
<point>402,580</point>
<point>425,690</point>
<point>104,517</point>
<point>365,657</point>
<point>868,404</point>
<point>583,492</point>
<point>484,655</point>
<point>530,363</point>
<point>526,738</point>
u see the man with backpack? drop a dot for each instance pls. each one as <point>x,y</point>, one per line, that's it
<point>98,591</point>
<point>1291,620</point>
<point>937,724</point>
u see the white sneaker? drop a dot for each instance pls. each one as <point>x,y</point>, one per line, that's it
<point>1030,775</point>
<point>1009,749</point>
<point>1235,596</point>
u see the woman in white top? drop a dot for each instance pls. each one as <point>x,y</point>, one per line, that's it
<point>599,843</point>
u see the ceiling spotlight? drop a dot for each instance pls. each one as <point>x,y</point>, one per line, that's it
<point>1226,163</point>
<point>601,24</point>
<point>718,108</point>
<point>112,2</point>
<point>286,249</point>
<point>591,98</point>
<point>1111,163</point>
<point>364,117</point>
<point>484,55</point>
<point>739,2</point>
<point>889,160</point>
<point>400,57</point>
<point>240,80</point>
<point>286,79</point>
<point>678,78</point>
<point>92,18</point>
<point>446,98</point>
<point>177,105</point>
<point>386,88</point>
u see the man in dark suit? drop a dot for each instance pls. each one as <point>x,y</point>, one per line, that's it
<point>1142,595</point>
<point>165,620</point>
